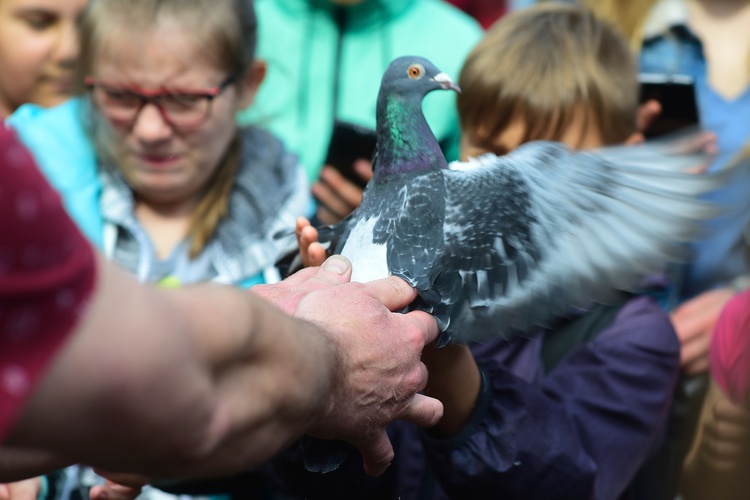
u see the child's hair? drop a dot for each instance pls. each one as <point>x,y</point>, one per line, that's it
<point>225,32</point>
<point>629,16</point>
<point>546,65</point>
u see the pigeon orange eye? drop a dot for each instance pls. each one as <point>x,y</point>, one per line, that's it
<point>415,71</point>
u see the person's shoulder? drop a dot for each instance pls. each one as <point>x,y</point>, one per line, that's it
<point>50,132</point>
<point>446,18</point>
<point>57,119</point>
<point>641,321</point>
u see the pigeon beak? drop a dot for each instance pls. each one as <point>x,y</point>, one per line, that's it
<point>446,83</point>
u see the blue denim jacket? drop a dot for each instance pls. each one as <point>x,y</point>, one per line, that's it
<point>721,256</point>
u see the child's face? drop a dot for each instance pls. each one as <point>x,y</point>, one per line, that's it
<point>163,159</point>
<point>577,136</point>
<point>38,48</point>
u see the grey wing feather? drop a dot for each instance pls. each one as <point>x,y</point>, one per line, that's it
<point>560,229</point>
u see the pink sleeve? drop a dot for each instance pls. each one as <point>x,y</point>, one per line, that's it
<point>47,272</point>
<point>730,348</point>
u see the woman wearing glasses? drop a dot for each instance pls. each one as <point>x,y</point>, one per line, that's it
<point>150,160</point>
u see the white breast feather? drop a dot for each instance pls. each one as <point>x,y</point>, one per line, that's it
<point>369,261</point>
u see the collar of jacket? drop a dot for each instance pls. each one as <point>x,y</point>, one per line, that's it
<point>365,14</point>
<point>664,16</point>
<point>243,243</point>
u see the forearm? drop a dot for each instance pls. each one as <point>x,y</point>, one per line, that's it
<point>221,377</point>
<point>455,380</point>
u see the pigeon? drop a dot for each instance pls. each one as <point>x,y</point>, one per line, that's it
<point>500,244</point>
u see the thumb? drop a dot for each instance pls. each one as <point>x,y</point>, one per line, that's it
<point>377,454</point>
<point>335,270</point>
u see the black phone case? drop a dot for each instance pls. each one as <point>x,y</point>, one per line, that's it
<point>676,94</point>
<point>350,142</point>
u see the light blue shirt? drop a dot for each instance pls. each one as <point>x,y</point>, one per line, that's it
<point>65,153</point>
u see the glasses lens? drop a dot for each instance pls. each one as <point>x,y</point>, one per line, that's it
<point>185,110</point>
<point>117,104</point>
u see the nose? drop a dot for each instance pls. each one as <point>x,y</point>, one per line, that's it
<point>150,125</point>
<point>67,47</point>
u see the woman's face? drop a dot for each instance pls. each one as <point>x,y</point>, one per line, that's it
<point>164,161</point>
<point>38,49</point>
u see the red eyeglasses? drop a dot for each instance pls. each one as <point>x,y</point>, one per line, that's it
<point>184,109</point>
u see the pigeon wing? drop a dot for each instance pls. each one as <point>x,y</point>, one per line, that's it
<point>534,233</point>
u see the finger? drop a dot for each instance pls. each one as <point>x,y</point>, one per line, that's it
<point>695,367</point>
<point>113,492</point>
<point>647,113</point>
<point>423,411</point>
<point>695,349</point>
<point>316,254</point>
<point>123,478</point>
<point>332,199</point>
<point>327,216</point>
<point>635,139</point>
<point>726,410</point>
<point>4,492</point>
<point>363,168</point>
<point>689,326</point>
<point>334,271</point>
<point>377,454</point>
<point>310,249</point>
<point>341,187</point>
<point>300,224</point>
<point>393,292</point>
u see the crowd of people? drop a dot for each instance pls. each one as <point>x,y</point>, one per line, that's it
<point>154,157</point>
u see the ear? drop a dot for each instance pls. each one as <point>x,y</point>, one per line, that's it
<point>251,82</point>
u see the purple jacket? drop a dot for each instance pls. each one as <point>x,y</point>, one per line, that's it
<point>579,432</point>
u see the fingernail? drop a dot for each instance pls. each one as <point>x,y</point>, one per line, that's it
<point>336,264</point>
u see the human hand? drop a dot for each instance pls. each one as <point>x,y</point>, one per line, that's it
<point>311,251</point>
<point>288,293</point>
<point>726,438</point>
<point>118,486</point>
<point>27,489</point>
<point>338,197</point>
<point>694,322</point>
<point>647,113</point>
<point>380,369</point>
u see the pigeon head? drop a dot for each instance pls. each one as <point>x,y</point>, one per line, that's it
<point>405,140</point>
<point>412,76</point>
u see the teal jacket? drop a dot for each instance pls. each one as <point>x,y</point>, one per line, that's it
<point>313,48</point>
<point>63,151</point>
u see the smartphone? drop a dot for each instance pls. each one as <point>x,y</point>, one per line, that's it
<point>350,142</point>
<point>676,94</point>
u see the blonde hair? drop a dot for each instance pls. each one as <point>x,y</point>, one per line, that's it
<point>225,31</point>
<point>545,64</point>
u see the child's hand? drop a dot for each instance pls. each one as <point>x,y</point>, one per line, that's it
<point>311,251</point>
<point>694,322</point>
<point>726,437</point>
<point>337,196</point>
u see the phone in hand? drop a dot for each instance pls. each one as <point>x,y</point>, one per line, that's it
<point>676,94</point>
<point>349,143</point>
